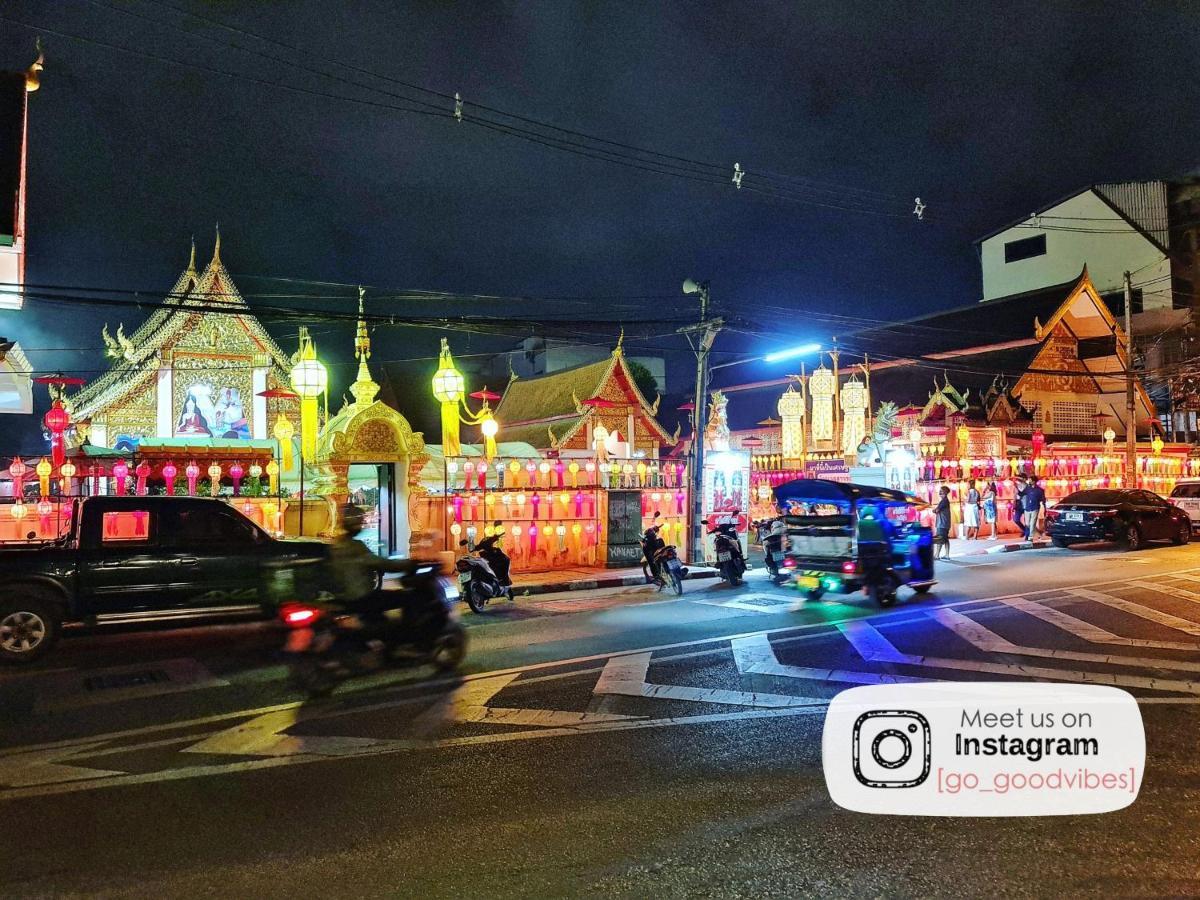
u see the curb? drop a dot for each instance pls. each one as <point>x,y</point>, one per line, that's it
<point>1040,544</point>
<point>615,581</point>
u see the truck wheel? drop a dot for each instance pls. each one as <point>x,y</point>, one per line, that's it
<point>29,626</point>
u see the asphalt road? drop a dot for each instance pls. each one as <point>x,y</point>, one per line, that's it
<point>611,744</point>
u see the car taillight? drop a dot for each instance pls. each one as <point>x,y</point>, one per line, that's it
<point>1104,513</point>
<point>849,567</point>
<point>297,616</point>
<point>1053,513</point>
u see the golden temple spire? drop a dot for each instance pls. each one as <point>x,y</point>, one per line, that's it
<point>364,388</point>
<point>216,260</point>
<point>191,269</point>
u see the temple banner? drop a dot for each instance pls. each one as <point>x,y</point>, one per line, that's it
<point>726,495</point>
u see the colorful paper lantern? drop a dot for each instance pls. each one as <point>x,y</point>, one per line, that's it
<point>192,472</point>
<point>284,432</point>
<point>18,470</point>
<point>448,389</point>
<point>490,428</point>
<point>18,510</point>
<point>169,471</point>
<point>143,472</point>
<point>57,420</point>
<point>120,473</point>
<point>45,509</point>
<point>43,470</point>
<point>68,472</point>
<point>235,473</point>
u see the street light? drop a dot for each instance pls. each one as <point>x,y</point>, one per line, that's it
<point>802,350</point>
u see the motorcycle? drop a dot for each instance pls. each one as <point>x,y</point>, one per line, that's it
<point>328,644</point>
<point>477,583</point>
<point>730,561</point>
<point>493,554</point>
<point>668,562</point>
<point>773,541</point>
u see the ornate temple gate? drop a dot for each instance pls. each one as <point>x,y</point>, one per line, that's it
<point>375,434</point>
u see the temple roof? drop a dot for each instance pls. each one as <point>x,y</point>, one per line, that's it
<point>534,409</point>
<point>139,353</point>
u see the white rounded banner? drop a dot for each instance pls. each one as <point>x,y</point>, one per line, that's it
<point>983,749</point>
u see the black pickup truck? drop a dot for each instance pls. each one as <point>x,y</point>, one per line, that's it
<point>142,559</point>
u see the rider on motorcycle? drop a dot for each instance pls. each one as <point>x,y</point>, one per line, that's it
<point>354,570</point>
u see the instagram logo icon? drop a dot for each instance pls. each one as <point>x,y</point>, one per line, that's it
<point>891,748</point>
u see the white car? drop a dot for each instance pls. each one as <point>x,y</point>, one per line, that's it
<point>1186,495</point>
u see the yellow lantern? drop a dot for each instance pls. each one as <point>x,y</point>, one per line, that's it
<point>18,511</point>
<point>68,472</point>
<point>448,388</point>
<point>269,511</point>
<point>1109,436</point>
<point>214,472</point>
<point>43,470</point>
<point>791,411</point>
<point>490,428</point>
<point>1157,445</point>
<point>283,432</point>
<point>821,388</point>
<point>273,476</point>
<point>310,380</point>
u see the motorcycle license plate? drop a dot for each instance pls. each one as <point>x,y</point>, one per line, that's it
<point>808,581</point>
<point>464,577</point>
<point>723,557</point>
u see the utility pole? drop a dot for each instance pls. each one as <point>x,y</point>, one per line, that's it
<point>1130,408</point>
<point>706,331</point>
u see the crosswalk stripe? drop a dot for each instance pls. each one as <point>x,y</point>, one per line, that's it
<point>874,647</point>
<point>1169,589</point>
<point>987,640</point>
<point>1092,633</point>
<point>755,656</point>
<point>1187,626</point>
<point>626,675</point>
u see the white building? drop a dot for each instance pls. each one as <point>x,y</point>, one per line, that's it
<point>536,356</point>
<point>1109,228</point>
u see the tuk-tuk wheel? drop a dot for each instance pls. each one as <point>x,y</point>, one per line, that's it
<point>882,593</point>
<point>815,593</point>
<point>923,588</point>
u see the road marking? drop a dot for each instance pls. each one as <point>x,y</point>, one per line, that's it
<point>874,647</point>
<point>626,675</point>
<point>44,767</point>
<point>82,688</point>
<point>756,656</point>
<point>262,736</point>
<point>1086,630</point>
<point>1168,589</point>
<point>759,603</point>
<point>1187,626</point>
<point>987,640</point>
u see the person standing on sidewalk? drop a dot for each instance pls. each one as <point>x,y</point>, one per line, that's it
<point>971,512</point>
<point>1018,510</point>
<point>1034,503</point>
<point>941,525</point>
<point>989,506</point>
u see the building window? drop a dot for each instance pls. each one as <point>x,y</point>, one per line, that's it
<point>1025,248</point>
<point>1074,418</point>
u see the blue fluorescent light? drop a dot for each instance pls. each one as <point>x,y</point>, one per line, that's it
<point>802,350</point>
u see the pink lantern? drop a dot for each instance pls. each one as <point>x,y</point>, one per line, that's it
<point>169,472</point>
<point>536,500</point>
<point>679,503</point>
<point>192,472</point>
<point>120,473</point>
<point>458,509</point>
<point>533,533</point>
<point>236,472</point>
<point>559,468</point>
<point>95,471</point>
<point>579,504</point>
<point>18,470</point>
<point>44,509</point>
<point>143,472</point>
<point>56,421</point>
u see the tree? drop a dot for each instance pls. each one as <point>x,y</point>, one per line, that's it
<point>885,423</point>
<point>645,382</point>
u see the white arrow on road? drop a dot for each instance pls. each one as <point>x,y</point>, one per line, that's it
<point>626,675</point>
<point>45,767</point>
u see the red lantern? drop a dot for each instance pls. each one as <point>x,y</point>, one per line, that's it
<point>1039,441</point>
<point>56,421</point>
<point>120,473</point>
<point>192,472</point>
<point>143,472</point>
<point>169,472</point>
<point>236,472</point>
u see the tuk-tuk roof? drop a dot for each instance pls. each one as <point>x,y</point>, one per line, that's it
<point>809,490</point>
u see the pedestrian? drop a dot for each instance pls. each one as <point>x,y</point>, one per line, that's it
<point>971,512</point>
<point>989,506</point>
<point>1033,502</point>
<point>941,525</point>
<point>1018,511</point>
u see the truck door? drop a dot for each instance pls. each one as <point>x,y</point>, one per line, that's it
<point>120,563</point>
<point>214,555</point>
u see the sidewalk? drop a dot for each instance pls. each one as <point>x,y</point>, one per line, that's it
<point>528,584</point>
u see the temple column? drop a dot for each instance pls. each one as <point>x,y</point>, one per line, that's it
<point>165,418</point>
<point>259,429</point>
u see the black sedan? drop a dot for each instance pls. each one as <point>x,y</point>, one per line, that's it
<point>1129,516</point>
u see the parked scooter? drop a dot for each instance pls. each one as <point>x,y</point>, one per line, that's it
<point>490,550</point>
<point>730,561</point>
<point>477,583</point>
<point>670,569</point>
<point>329,643</point>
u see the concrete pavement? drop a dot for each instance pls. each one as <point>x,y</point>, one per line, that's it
<point>614,743</point>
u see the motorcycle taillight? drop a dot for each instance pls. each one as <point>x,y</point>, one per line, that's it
<point>297,615</point>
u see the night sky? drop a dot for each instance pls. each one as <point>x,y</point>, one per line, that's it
<point>985,111</point>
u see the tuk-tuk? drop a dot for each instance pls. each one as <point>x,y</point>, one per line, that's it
<point>850,537</point>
